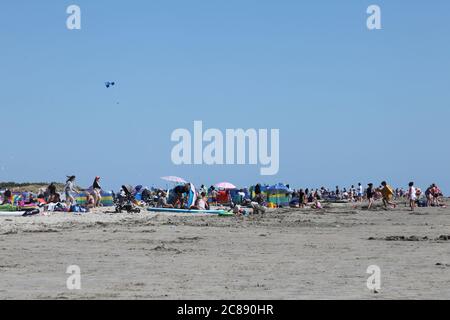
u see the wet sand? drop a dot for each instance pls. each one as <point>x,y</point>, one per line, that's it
<point>285,254</point>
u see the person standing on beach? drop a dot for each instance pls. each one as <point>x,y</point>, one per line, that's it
<point>301,199</point>
<point>337,192</point>
<point>50,193</point>
<point>7,197</point>
<point>412,196</point>
<point>69,190</point>
<point>360,192</point>
<point>370,195</point>
<point>387,193</point>
<point>429,195</point>
<point>97,189</point>
<point>436,192</point>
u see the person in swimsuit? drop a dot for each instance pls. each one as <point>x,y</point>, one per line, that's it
<point>180,191</point>
<point>90,201</point>
<point>50,192</point>
<point>370,195</point>
<point>301,199</point>
<point>97,189</point>
<point>7,197</point>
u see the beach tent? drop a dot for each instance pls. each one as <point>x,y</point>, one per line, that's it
<point>192,196</point>
<point>278,195</point>
<point>263,190</point>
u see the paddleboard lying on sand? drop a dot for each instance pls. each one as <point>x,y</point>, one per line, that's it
<point>18,213</point>
<point>172,210</point>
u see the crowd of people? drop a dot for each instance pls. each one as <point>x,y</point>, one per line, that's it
<point>205,198</point>
<point>415,196</point>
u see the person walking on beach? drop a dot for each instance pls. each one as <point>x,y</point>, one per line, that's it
<point>412,196</point>
<point>370,195</point>
<point>97,189</point>
<point>69,190</point>
<point>387,193</point>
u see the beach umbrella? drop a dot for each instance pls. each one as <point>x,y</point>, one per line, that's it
<point>225,185</point>
<point>174,179</point>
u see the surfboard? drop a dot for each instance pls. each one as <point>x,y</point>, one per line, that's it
<point>8,208</point>
<point>27,213</point>
<point>173,210</point>
<point>12,213</point>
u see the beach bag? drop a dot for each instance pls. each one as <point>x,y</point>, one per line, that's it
<point>75,208</point>
<point>422,203</point>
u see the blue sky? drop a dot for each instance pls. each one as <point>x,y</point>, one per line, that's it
<point>351,104</point>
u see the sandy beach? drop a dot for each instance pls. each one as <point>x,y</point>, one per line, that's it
<point>285,254</point>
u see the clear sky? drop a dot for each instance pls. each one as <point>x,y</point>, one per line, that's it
<point>351,104</point>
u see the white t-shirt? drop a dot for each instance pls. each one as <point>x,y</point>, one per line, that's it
<point>412,193</point>
<point>201,204</point>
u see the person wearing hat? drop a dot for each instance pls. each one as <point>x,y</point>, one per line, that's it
<point>97,189</point>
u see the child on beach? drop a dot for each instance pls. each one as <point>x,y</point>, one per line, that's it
<point>412,196</point>
<point>90,201</point>
<point>201,203</point>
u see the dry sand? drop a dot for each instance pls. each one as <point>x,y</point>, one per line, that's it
<point>286,254</point>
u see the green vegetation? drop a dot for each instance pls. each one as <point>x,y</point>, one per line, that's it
<point>28,186</point>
